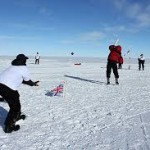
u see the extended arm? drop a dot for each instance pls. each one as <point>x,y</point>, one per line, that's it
<point>31,83</point>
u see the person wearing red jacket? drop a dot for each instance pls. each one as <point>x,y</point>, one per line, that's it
<point>113,59</point>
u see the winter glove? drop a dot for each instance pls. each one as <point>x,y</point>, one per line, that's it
<point>36,83</point>
<point>30,82</point>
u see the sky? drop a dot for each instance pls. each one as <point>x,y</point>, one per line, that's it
<point>85,27</point>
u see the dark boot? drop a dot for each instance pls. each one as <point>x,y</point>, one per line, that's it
<point>116,79</point>
<point>9,129</point>
<point>11,119</point>
<point>108,80</point>
<point>21,116</point>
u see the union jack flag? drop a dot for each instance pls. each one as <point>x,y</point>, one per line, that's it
<point>56,91</point>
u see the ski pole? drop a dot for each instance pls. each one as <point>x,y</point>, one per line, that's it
<point>116,42</point>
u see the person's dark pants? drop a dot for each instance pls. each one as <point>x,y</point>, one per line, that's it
<point>112,65</point>
<point>141,64</point>
<point>12,98</point>
<point>37,61</point>
<point>119,66</point>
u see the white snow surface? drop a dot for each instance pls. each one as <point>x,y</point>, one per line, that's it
<point>89,115</point>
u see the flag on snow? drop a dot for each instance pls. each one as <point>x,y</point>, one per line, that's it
<point>56,91</point>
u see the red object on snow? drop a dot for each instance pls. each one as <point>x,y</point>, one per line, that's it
<point>77,64</point>
<point>58,89</point>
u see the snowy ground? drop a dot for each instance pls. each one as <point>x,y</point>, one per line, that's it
<point>90,115</point>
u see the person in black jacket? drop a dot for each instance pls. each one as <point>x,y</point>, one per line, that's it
<point>10,79</point>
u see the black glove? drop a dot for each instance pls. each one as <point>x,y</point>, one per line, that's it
<point>30,82</point>
<point>36,83</point>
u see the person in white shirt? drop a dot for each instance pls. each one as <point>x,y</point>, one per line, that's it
<point>10,79</point>
<point>37,58</point>
<point>141,62</point>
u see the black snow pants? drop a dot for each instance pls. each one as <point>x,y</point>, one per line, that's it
<point>37,61</point>
<point>141,63</point>
<point>112,65</point>
<point>12,98</point>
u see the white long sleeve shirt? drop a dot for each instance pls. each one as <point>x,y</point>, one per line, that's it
<point>37,56</point>
<point>14,75</point>
<point>142,58</point>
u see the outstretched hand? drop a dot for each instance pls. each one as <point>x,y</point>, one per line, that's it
<point>36,83</point>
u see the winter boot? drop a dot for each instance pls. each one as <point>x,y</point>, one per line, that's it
<point>116,79</point>
<point>108,80</point>
<point>9,129</point>
<point>22,116</point>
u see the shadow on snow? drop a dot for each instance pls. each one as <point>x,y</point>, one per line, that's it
<point>3,114</point>
<point>87,80</point>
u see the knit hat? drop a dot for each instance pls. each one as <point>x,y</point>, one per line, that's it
<point>21,57</point>
<point>111,47</point>
<point>20,60</point>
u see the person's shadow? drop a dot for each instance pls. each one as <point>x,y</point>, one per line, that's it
<point>3,114</point>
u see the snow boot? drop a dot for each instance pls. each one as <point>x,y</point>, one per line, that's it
<point>22,116</point>
<point>116,79</point>
<point>108,80</point>
<point>9,129</point>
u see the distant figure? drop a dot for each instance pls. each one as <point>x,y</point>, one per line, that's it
<point>141,62</point>
<point>37,58</point>
<point>72,53</point>
<point>120,62</point>
<point>113,59</point>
